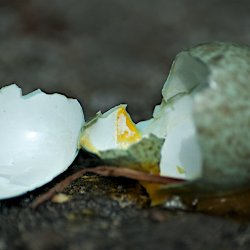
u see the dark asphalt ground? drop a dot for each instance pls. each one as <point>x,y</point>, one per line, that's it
<point>105,53</point>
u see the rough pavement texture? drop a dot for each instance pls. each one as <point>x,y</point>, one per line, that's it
<point>105,53</point>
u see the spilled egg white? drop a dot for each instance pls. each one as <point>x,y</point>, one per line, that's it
<point>39,135</point>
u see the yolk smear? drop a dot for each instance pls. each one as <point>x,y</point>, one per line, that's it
<point>126,131</point>
<point>86,142</point>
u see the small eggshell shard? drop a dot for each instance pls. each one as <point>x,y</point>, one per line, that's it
<point>111,130</point>
<point>117,141</point>
<point>38,138</point>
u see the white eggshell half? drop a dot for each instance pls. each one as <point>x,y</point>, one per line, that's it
<point>38,138</point>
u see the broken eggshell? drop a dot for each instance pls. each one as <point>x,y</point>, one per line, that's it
<point>192,123</point>
<point>111,130</point>
<point>222,112</point>
<point>173,120</point>
<point>39,134</point>
<point>215,77</point>
<point>180,154</point>
<point>114,138</point>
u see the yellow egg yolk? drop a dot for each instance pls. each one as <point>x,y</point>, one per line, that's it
<point>126,131</point>
<point>115,131</point>
<point>87,144</point>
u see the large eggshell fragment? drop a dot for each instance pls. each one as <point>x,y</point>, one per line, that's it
<point>205,115</point>
<point>38,138</point>
<point>216,77</point>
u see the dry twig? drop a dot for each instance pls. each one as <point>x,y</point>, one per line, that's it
<point>103,171</point>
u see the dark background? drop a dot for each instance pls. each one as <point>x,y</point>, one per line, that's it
<point>109,52</point>
<point>105,53</point>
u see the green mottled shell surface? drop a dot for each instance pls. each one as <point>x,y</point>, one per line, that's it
<point>222,111</point>
<point>144,155</point>
<point>217,75</point>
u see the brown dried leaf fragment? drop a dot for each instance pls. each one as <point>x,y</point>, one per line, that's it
<point>104,171</point>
